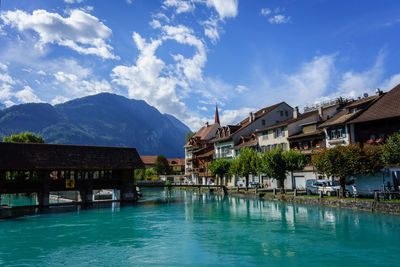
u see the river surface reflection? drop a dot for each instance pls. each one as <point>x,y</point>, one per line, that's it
<point>199,229</point>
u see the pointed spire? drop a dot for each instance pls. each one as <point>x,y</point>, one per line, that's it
<point>216,114</point>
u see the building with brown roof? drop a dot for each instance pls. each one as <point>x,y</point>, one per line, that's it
<point>338,129</point>
<point>196,148</point>
<point>231,136</point>
<point>380,120</point>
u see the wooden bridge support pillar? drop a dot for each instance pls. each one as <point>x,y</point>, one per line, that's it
<point>44,194</point>
<point>128,187</point>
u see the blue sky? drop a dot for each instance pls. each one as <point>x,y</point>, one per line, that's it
<point>183,56</point>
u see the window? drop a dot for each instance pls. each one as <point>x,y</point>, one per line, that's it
<point>263,122</point>
<point>340,133</point>
<point>286,113</point>
<point>278,132</point>
<point>354,110</point>
<point>281,113</point>
<point>332,134</point>
<point>265,136</point>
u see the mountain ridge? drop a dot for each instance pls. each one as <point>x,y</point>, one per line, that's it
<point>102,119</point>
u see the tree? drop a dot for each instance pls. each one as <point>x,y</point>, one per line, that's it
<point>189,135</point>
<point>295,160</point>
<point>246,163</point>
<point>346,161</point>
<point>139,174</point>
<point>26,137</point>
<point>219,168</point>
<point>149,173</point>
<point>273,164</point>
<point>391,150</point>
<point>161,165</point>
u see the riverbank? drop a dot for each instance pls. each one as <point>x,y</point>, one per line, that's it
<point>347,203</point>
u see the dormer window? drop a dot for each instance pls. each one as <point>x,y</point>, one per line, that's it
<point>353,110</point>
<point>263,122</point>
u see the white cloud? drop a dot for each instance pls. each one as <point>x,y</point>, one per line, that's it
<point>265,11</point>
<point>279,19</point>
<point>41,72</point>
<point>3,67</point>
<point>129,1</point>
<point>73,1</point>
<point>59,99</point>
<point>211,29</point>
<point>76,86</point>
<point>229,117</point>
<point>225,8</point>
<point>203,108</point>
<point>180,6</point>
<point>80,31</point>
<point>241,88</point>
<point>27,95</point>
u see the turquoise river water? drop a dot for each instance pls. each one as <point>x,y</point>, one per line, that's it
<point>201,229</point>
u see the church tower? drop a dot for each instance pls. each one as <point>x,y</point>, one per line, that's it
<point>216,114</point>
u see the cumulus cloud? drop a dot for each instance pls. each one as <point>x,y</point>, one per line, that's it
<point>79,86</point>
<point>27,95</point>
<point>234,116</point>
<point>279,19</point>
<point>73,1</point>
<point>265,11</point>
<point>80,31</point>
<point>180,6</point>
<point>225,8</point>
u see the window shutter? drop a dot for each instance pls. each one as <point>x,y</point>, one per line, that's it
<point>275,133</point>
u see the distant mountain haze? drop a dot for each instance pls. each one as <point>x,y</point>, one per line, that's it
<point>104,120</point>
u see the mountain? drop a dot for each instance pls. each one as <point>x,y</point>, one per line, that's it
<point>2,106</point>
<point>104,119</point>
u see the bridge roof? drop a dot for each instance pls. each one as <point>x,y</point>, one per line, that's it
<point>20,156</point>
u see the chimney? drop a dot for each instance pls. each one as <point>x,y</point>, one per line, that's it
<point>378,92</point>
<point>320,112</point>
<point>295,112</point>
<point>207,124</point>
<point>251,118</point>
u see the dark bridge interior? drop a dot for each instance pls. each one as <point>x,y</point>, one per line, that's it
<point>41,168</point>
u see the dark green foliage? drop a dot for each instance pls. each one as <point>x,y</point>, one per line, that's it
<point>149,173</point>
<point>219,168</point>
<point>139,174</point>
<point>295,160</point>
<point>273,164</point>
<point>391,150</point>
<point>26,137</point>
<point>103,119</point>
<point>161,165</point>
<point>246,163</point>
<point>345,161</point>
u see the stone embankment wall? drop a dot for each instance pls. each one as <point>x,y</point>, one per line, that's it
<point>373,206</point>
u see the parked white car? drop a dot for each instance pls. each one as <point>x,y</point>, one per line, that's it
<point>327,187</point>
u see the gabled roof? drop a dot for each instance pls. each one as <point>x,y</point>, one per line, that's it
<point>22,156</point>
<point>201,134</point>
<point>289,121</point>
<point>246,122</point>
<point>302,135</point>
<point>344,116</point>
<point>247,141</point>
<point>149,160</point>
<point>388,106</point>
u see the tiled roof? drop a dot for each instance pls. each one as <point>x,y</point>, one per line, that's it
<point>344,116</point>
<point>301,135</point>
<point>207,154</point>
<point>202,133</point>
<point>388,106</point>
<point>151,160</point>
<point>251,142</point>
<point>148,160</point>
<point>288,121</point>
<point>246,122</point>
<point>176,161</point>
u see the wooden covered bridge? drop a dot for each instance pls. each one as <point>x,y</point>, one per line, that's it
<point>42,168</point>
